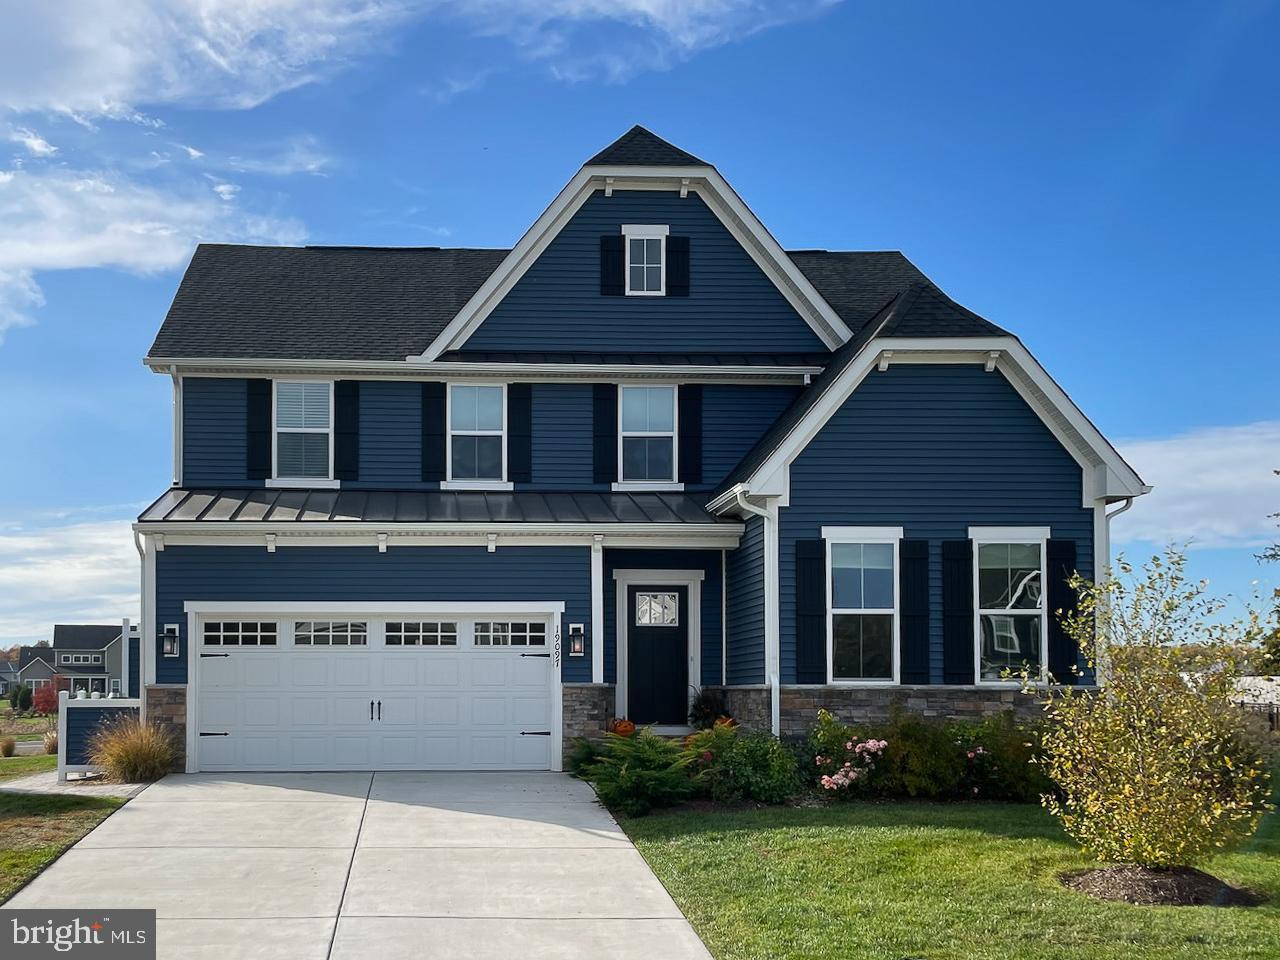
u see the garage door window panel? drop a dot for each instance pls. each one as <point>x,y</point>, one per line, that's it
<point>331,633</point>
<point>496,633</point>
<point>240,633</point>
<point>421,633</point>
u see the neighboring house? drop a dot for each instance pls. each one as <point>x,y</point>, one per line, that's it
<point>90,657</point>
<point>442,508</point>
<point>8,676</point>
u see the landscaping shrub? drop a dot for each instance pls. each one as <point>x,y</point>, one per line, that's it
<point>24,698</point>
<point>761,768</point>
<point>1002,759</point>
<point>838,757</point>
<point>920,761</point>
<point>1160,768</point>
<point>131,752</point>
<point>8,746</point>
<point>51,742</point>
<point>13,696</point>
<point>637,773</point>
<point>706,752</point>
<point>582,754</point>
<point>45,700</point>
<point>706,708</point>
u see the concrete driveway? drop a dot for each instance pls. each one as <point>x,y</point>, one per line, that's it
<point>387,865</point>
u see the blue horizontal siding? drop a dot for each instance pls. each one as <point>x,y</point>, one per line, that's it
<point>933,449</point>
<point>734,417</point>
<point>708,561</point>
<point>442,574</point>
<point>562,436</point>
<point>81,724</point>
<point>732,306</point>
<point>744,576</point>
<point>390,435</point>
<point>214,442</point>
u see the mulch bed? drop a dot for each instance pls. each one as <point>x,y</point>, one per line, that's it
<point>1175,887</point>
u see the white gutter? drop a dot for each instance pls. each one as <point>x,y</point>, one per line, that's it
<point>741,499</point>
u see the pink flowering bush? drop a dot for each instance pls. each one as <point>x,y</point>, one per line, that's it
<point>855,760</point>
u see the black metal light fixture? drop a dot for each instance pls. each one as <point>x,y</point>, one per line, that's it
<point>577,640</point>
<point>170,643</point>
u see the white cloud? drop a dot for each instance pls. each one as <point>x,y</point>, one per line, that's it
<point>226,191</point>
<point>36,145</point>
<point>74,573</point>
<point>65,219</point>
<point>301,154</point>
<point>192,152</point>
<point>1214,487</point>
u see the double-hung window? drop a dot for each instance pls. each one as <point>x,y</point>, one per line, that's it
<point>304,430</point>
<point>477,433</point>
<point>1009,601</point>
<point>862,603</point>
<point>646,259</point>
<point>647,434</point>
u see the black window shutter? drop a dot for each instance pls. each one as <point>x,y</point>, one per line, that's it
<point>258,429</point>
<point>677,266</point>
<point>811,611</point>
<point>604,418</point>
<point>957,611</point>
<point>690,429</point>
<point>433,432</point>
<point>913,588</point>
<point>520,432</point>
<point>1060,564</point>
<point>346,430</point>
<point>612,265</point>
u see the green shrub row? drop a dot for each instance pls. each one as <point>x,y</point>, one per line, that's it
<point>906,757</point>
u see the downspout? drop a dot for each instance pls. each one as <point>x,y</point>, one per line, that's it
<point>770,519</point>
<point>1100,655</point>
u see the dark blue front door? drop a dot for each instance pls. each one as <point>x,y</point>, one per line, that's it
<point>658,655</point>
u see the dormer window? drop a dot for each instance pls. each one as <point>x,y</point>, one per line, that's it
<point>646,265</point>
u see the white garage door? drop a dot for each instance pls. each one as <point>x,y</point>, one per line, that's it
<point>354,692</point>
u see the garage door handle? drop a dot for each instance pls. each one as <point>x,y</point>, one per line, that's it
<point>203,734</point>
<point>206,656</point>
<point>370,709</point>
<point>546,655</point>
<point>535,733</point>
<point>379,709</point>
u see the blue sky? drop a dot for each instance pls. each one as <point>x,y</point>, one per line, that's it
<point>1098,178</point>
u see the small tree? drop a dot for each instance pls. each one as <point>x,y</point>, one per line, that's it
<point>45,700</point>
<point>1159,768</point>
<point>24,698</point>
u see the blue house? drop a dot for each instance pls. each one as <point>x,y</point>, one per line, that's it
<point>445,508</point>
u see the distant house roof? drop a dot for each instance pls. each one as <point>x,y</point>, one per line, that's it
<point>8,669</point>
<point>230,507</point>
<point>643,148</point>
<point>26,655</point>
<point>84,636</point>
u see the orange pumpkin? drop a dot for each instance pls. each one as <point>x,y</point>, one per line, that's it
<point>623,727</point>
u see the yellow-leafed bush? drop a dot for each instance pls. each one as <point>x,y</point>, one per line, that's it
<point>1158,767</point>
<point>131,752</point>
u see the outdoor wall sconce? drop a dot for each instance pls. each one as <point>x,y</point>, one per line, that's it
<point>169,642</point>
<point>577,640</point>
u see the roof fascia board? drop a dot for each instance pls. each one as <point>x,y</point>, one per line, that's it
<point>1106,474</point>
<point>402,370</point>
<point>708,183</point>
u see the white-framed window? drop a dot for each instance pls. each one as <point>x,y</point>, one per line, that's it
<point>421,633</point>
<point>115,684</point>
<point>646,259</point>
<point>36,683</point>
<point>647,427</point>
<point>240,633</point>
<point>330,633</point>
<point>657,609</point>
<point>477,451</point>
<point>97,658</point>
<point>65,658</point>
<point>1010,629</point>
<point>862,604</point>
<point>302,434</point>
<point>510,633</point>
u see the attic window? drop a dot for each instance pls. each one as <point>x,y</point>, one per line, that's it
<point>646,263</point>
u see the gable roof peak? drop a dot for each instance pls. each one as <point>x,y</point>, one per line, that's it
<point>641,147</point>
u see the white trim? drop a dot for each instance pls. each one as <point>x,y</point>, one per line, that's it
<point>275,483</point>
<point>147,642</point>
<point>275,478</point>
<point>674,433</point>
<point>882,535</point>
<point>724,617</point>
<point>644,231</point>
<point>63,698</point>
<point>479,608</point>
<point>178,440</point>
<point>597,609</point>
<point>623,580</point>
<point>772,617</point>
<point>125,635</point>
<point>1002,536</point>
<point>1106,475</point>
<point>719,197</point>
<point>645,486</point>
<point>473,483</point>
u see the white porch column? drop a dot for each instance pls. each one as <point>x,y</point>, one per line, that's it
<point>597,609</point>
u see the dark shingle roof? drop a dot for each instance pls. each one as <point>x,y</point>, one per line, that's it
<point>28,654</point>
<point>318,303</point>
<point>921,310</point>
<point>415,506</point>
<point>857,283</point>
<point>654,359</point>
<point>641,147</point>
<point>84,636</point>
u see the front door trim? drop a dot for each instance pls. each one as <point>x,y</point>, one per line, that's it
<point>624,580</point>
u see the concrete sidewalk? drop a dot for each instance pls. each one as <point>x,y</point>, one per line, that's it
<point>388,865</point>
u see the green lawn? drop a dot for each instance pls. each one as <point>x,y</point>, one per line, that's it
<point>37,827</point>
<point>11,767</point>
<point>895,881</point>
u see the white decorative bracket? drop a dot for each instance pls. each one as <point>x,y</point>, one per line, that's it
<point>885,357</point>
<point>608,186</point>
<point>159,539</point>
<point>493,542</point>
<point>382,543</point>
<point>271,543</point>
<point>992,357</point>
<point>684,187</point>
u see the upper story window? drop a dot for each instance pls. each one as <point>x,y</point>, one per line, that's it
<point>647,434</point>
<point>646,253</point>
<point>304,430</point>
<point>1009,601</point>
<point>477,428</point>
<point>862,583</point>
